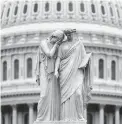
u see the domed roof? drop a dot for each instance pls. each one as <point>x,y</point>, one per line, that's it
<point>107,12</point>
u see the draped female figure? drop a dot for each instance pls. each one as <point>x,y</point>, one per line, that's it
<point>49,102</point>
<point>72,69</point>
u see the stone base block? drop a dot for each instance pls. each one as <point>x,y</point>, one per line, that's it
<point>61,122</point>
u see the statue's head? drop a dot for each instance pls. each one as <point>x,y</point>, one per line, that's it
<point>69,33</point>
<point>57,35</point>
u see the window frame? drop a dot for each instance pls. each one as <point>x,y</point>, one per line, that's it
<point>13,59</point>
<point>16,10</point>
<point>2,11</point>
<point>8,12</point>
<point>99,68</point>
<point>111,12</point>
<point>114,70</point>
<point>57,6</point>
<point>102,7</point>
<point>82,2</point>
<point>6,70</point>
<point>25,64</point>
<point>94,8</point>
<point>25,3</point>
<point>69,7</point>
<point>118,12</point>
<point>13,11</point>
<point>62,5</point>
<point>18,69</point>
<point>33,5</point>
<point>49,8</point>
<point>27,67</point>
<point>112,7</point>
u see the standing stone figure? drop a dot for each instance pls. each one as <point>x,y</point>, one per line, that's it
<point>49,102</point>
<point>73,70</point>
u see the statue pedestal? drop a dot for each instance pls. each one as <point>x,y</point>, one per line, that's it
<point>61,122</point>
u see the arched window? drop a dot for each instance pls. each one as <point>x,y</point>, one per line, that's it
<point>25,9</point>
<point>89,119</point>
<point>111,11</point>
<point>16,10</point>
<point>82,8</point>
<point>4,71</point>
<point>47,7</point>
<point>58,6</point>
<point>93,8</point>
<point>2,12</point>
<point>113,70</point>
<point>103,10</point>
<point>118,13</point>
<point>101,68</point>
<point>29,67</point>
<point>70,6</point>
<point>8,12</point>
<point>26,118</point>
<point>35,7</point>
<point>16,69</point>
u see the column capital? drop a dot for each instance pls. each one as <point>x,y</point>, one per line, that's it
<point>102,105</point>
<point>118,106</point>
<point>30,104</point>
<point>14,106</point>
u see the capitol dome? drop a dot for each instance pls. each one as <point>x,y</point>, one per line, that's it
<point>25,23</point>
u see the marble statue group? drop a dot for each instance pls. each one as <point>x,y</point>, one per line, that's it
<point>63,74</point>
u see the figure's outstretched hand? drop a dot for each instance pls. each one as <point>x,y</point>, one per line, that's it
<point>56,74</point>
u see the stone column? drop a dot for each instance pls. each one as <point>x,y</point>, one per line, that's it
<point>14,114</point>
<point>1,116</point>
<point>6,118</point>
<point>110,118</point>
<point>117,115</point>
<point>101,114</point>
<point>31,113</point>
<point>20,118</point>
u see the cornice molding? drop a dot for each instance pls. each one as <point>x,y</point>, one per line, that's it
<point>32,48</point>
<point>34,96</point>
<point>81,27</point>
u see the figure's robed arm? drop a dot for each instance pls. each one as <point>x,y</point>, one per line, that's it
<point>47,51</point>
<point>85,65</point>
<point>37,70</point>
<point>57,63</point>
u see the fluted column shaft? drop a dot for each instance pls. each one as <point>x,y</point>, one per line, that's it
<point>14,114</point>
<point>110,118</point>
<point>31,114</point>
<point>101,114</point>
<point>6,118</point>
<point>117,115</point>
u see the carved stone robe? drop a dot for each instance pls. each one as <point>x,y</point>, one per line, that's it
<point>74,80</point>
<point>49,102</point>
